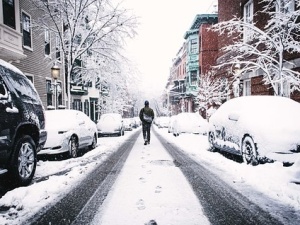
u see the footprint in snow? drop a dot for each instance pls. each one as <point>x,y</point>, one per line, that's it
<point>140,204</point>
<point>158,189</point>
<point>142,179</point>
<point>151,222</point>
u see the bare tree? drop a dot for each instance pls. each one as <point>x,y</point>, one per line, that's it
<point>264,50</point>
<point>91,33</point>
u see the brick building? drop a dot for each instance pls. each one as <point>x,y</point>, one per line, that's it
<point>251,83</point>
<point>194,59</point>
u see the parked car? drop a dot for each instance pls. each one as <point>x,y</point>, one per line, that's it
<point>171,124</point>
<point>110,124</point>
<point>258,128</point>
<point>127,122</point>
<point>189,123</point>
<point>22,125</point>
<point>68,132</point>
<point>162,121</point>
<point>135,122</point>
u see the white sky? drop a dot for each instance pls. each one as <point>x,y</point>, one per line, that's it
<point>163,24</point>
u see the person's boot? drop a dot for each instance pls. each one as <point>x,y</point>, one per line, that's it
<point>145,142</point>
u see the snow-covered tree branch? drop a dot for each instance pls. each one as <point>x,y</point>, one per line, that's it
<point>92,34</point>
<point>265,49</point>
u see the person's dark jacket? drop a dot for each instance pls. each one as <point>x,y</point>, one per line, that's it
<point>148,111</point>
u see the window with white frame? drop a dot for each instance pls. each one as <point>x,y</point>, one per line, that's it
<point>26,28</point>
<point>285,6</point>
<point>47,42</point>
<point>248,18</point>
<point>286,88</point>
<point>30,77</point>
<point>193,77</point>
<point>194,46</point>
<point>9,16</point>
<point>49,91</point>
<point>247,87</point>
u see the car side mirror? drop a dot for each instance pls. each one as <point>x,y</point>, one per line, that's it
<point>5,100</point>
<point>234,116</point>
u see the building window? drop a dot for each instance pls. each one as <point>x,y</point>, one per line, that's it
<point>57,48</point>
<point>30,78</point>
<point>9,18</point>
<point>59,94</point>
<point>26,27</point>
<point>86,107</point>
<point>286,89</point>
<point>47,42</point>
<point>247,87</point>
<point>77,104</point>
<point>285,6</point>
<point>194,46</point>
<point>49,92</point>
<point>248,18</point>
<point>194,78</point>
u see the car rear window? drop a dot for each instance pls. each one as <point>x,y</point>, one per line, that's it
<point>23,87</point>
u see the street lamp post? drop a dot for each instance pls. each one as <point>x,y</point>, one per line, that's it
<point>55,73</point>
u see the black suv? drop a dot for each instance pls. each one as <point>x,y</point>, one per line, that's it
<point>22,125</point>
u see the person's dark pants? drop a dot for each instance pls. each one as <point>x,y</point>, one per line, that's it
<point>146,131</point>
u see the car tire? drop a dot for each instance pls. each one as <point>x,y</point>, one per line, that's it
<point>24,160</point>
<point>249,151</point>
<point>73,147</point>
<point>94,143</point>
<point>211,140</point>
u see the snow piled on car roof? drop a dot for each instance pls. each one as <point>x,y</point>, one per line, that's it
<point>10,66</point>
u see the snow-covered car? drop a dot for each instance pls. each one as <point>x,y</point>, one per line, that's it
<point>110,124</point>
<point>162,121</point>
<point>22,125</point>
<point>137,121</point>
<point>189,123</point>
<point>68,131</point>
<point>171,124</point>
<point>127,122</point>
<point>258,128</point>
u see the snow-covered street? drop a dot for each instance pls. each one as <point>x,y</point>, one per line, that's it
<point>144,192</point>
<point>151,187</point>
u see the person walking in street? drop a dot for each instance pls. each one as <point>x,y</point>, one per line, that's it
<point>146,116</point>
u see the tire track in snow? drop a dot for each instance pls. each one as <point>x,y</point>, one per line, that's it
<point>80,205</point>
<point>221,203</point>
